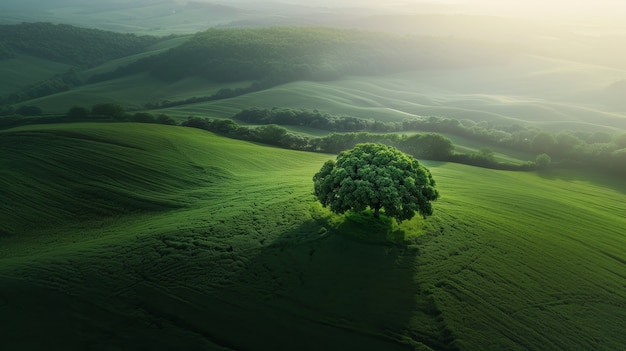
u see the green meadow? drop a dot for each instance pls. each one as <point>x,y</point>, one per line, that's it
<point>136,236</point>
<point>120,235</point>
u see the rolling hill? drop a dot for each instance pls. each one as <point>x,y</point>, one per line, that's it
<point>363,74</point>
<point>163,237</point>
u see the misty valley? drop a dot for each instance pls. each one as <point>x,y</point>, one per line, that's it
<point>211,175</point>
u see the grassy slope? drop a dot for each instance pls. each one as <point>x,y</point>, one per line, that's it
<point>23,70</point>
<point>199,242</point>
<point>131,92</point>
<point>150,51</point>
<point>540,254</point>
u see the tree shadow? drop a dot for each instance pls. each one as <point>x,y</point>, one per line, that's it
<point>315,288</point>
<point>316,284</point>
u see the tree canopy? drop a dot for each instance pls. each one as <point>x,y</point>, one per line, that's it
<point>379,177</point>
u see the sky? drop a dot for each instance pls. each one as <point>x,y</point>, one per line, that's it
<point>520,8</point>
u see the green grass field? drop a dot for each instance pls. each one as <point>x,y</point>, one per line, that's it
<point>134,236</point>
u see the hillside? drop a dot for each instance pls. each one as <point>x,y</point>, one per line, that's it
<point>162,237</point>
<point>154,17</point>
<point>358,73</point>
<point>69,44</point>
<point>367,75</point>
<point>276,55</point>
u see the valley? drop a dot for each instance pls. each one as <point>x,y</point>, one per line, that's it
<point>157,164</point>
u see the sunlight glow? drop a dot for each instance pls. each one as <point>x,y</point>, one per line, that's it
<point>558,9</point>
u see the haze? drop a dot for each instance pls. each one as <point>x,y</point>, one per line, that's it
<point>532,8</point>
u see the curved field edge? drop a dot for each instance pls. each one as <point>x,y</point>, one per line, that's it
<point>243,261</point>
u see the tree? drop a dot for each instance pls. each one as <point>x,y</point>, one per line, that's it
<point>379,177</point>
<point>543,142</point>
<point>271,134</point>
<point>29,111</point>
<point>565,144</point>
<point>143,117</point>
<point>78,113</point>
<point>430,146</point>
<point>109,110</point>
<point>543,161</point>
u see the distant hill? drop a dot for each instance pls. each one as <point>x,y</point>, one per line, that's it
<point>283,54</point>
<point>161,17</point>
<point>69,44</point>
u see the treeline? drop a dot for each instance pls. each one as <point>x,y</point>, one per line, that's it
<point>573,149</point>
<point>431,146</point>
<point>69,44</point>
<point>56,84</point>
<point>278,55</point>
<point>596,149</point>
<point>427,145</point>
<point>314,119</point>
<point>223,93</point>
<point>102,112</point>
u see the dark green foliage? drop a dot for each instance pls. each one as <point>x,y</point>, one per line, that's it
<point>224,93</point>
<point>69,44</point>
<point>277,55</point>
<point>565,144</point>
<point>313,118</point>
<point>336,142</point>
<point>28,110</point>
<point>56,84</point>
<point>195,122</point>
<point>543,161</point>
<point>431,146</point>
<point>165,119</point>
<point>108,110</point>
<point>5,51</point>
<point>543,142</point>
<point>272,134</point>
<point>224,126</point>
<point>78,113</point>
<point>379,177</point>
<point>143,117</point>
<point>78,47</point>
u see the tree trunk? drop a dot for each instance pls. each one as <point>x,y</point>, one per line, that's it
<point>377,212</point>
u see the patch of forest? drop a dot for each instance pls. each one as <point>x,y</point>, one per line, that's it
<point>76,46</point>
<point>277,55</point>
